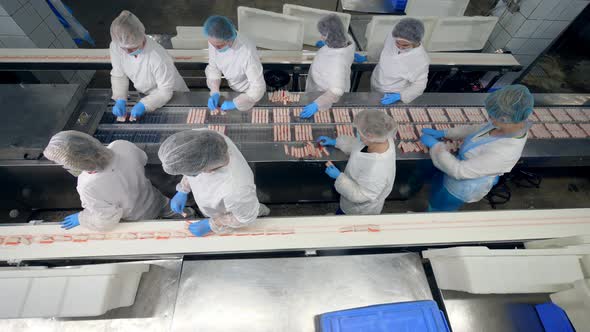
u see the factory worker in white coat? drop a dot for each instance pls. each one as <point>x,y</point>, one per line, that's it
<point>487,152</point>
<point>219,177</point>
<point>111,181</point>
<point>329,72</point>
<point>143,61</point>
<point>402,71</point>
<point>368,177</point>
<point>233,56</point>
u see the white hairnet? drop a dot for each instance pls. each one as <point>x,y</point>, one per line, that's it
<point>331,27</point>
<point>192,152</point>
<point>409,29</point>
<point>78,151</point>
<point>375,126</point>
<point>127,31</point>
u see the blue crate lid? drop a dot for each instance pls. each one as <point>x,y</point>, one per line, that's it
<point>414,316</point>
<point>553,318</point>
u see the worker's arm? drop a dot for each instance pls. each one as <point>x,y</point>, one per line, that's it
<point>243,208</point>
<point>473,168</point>
<point>256,85</point>
<point>461,132</point>
<point>164,74</point>
<point>416,87</point>
<point>328,98</point>
<point>119,81</point>
<point>355,192</point>
<point>347,144</point>
<point>98,214</point>
<point>213,73</point>
<point>184,186</point>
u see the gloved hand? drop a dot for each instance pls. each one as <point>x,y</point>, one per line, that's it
<point>228,106</point>
<point>360,58</point>
<point>320,43</point>
<point>178,202</point>
<point>71,221</point>
<point>138,110</point>
<point>309,110</point>
<point>429,141</point>
<point>200,228</point>
<point>433,132</point>
<point>120,107</point>
<point>213,101</point>
<point>333,172</point>
<point>390,98</point>
<point>326,141</point>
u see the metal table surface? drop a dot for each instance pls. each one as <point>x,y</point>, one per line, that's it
<point>285,294</point>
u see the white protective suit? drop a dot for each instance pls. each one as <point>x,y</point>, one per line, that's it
<point>403,72</point>
<point>241,67</point>
<point>119,192</point>
<point>483,162</point>
<point>330,73</point>
<point>152,72</point>
<point>227,196</point>
<point>368,177</point>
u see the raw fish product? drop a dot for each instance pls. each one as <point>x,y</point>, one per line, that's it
<point>286,149</point>
<point>423,148</point>
<point>442,126</point>
<point>586,128</point>
<point>132,119</point>
<point>218,128</point>
<point>560,115</point>
<point>539,131</point>
<point>341,115</point>
<point>557,130</point>
<point>418,115</point>
<point>437,115</point>
<point>283,97</point>
<point>356,111</point>
<point>280,115</point>
<point>420,127</point>
<point>533,118</point>
<point>455,115</point>
<point>400,115</point>
<point>544,115</point>
<point>406,132</point>
<point>474,115</point>
<point>577,114</point>
<point>121,118</point>
<point>574,130</point>
<point>280,133</point>
<point>322,117</point>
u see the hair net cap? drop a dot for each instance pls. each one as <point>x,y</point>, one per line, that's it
<point>220,27</point>
<point>78,151</point>
<point>331,27</point>
<point>192,152</point>
<point>127,31</point>
<point>375,126</point>
<point>511,104</point>
<point>410,29</point>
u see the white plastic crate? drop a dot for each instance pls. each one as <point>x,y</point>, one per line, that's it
<point>479,270</point>
<point>461,33</point>
<point>71,291</point>
<point>311,17</point>
<point>576,304</point>
<point>189,38</point>
<point>380,26</point>
<point>271,30</point>
<point>559,242</point>
<point>190,32</point>
<point>436,7</point>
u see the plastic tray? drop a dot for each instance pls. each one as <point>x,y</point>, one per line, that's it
<point>436,8</point>
<point>418,316</point>
<point>461,33</point>
<point>189,43</point>
<point>271,30</point>
<point>381,26</point>
<point>553,318</point>
<point>311,17</point>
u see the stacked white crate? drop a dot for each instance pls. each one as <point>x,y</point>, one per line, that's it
<point>311,17</point>
<point>189,38</point>
<point>271,30</point>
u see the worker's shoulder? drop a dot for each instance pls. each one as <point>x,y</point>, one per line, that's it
<point>246,45</point>
<point>157,52</point>
<point>122,146</point>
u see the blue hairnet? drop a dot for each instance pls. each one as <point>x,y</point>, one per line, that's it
<point>409,29</point>
<point>220,27</point>
<point>331,27</point>
<point>512,104</point>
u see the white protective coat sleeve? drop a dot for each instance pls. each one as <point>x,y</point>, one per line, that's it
<point>328,98</point>
<point>256,86</point>
<point>242,207</point>
<point>158,97</point>
<point>213,77</point>
<point>415,89</point>
<point>347,144</point>
<point>461,132</point>
<point>353,191</point>
<point>472,168</point>
<point>98,215</point>
<point>119,81</point>
<point>183,186</point>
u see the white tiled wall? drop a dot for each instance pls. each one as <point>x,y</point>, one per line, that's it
<point>530,31</point>
<point>31,24</point>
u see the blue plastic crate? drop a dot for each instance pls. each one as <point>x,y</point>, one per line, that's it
<point>414,316</point>
<point>553,318</point>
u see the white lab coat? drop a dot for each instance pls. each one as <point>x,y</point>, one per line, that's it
<point>152,72</point>
<point>368,178</point>
<point>330,73</point>
<point>241,67</point>
<point>403,72</point>
<point>488,160</point>
<point>122,191</point>
<point>227,195</point>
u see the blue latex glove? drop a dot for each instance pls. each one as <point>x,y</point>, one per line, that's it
<point>213,101</point>
<point>326,141</point>
<point>120,107</point>
<point>333,172</point>
<point>360,58</point>
<point>228,106</point>
<point>433,132</point>
<point>309,110</point>
<point>178,202</point>
<point>390,98</point>
<point>429,141</point>
<point>71,221</point>
<point>320,43</point>
<point>200,228</point>
<point>138,110</point>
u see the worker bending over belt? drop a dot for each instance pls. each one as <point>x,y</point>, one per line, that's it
<point>329,72</point>
<point>488,150</point>
<point>402,71</point>
<point>233,56</point>
<point>219,177</point>
<point>111,181</point>
<point>370,172</point>
<point>143,61</point>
